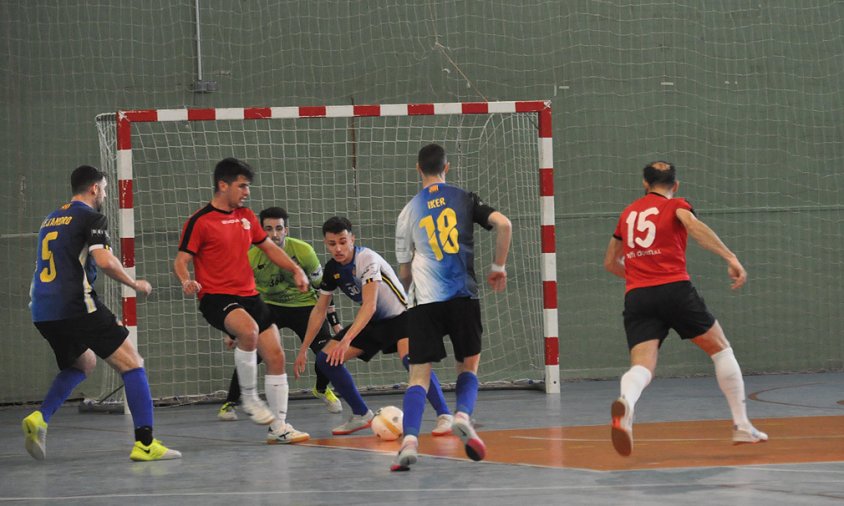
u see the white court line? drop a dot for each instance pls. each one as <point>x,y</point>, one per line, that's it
<point>427,490</point>
<point>837,436</point>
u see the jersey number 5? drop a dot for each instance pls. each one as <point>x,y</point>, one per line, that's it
<point>446,231</point>
<point>643,224</point>
<point>48,273</point>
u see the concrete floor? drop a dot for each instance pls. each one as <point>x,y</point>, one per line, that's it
<point>228,463</point>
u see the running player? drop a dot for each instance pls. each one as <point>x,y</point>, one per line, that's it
<point>435,250</point>
<point>648,250</point>
<point>216,240</point>
<point>72,244</point>
<point>290,308</point>
<point>379,325</point>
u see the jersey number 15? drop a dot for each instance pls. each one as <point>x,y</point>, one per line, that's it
<point>642,222</point>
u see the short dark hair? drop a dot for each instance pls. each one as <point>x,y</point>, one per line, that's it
<point>432,159</point>
<point>83,177</point>
<point>665,175</point>
<point>273,213</point>
<point>228,170</point>
<point>336,225</point>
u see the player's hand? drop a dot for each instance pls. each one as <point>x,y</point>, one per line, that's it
<point>737,273</point>
<point>337,328</point>
<point>191,287</point>
<point>301,280</point>
<point>497,280</point>
<point>300,363</point>
<point>143,286</point>
<point>338,353</point>
<point>229,343</point>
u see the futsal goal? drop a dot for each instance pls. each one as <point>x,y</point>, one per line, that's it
<point>356,161</point>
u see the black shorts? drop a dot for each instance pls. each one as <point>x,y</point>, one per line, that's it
<point>98,331</point>
<point>650,312</point>
<point>296,319</point>
<point>216,306</point>
<point>378,336</point>
<point>429,323</point>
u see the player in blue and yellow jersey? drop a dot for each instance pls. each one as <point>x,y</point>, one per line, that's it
<point>73,243</point>
<point>290,307</point>
<point>379,325</point>
<point>435,250</point>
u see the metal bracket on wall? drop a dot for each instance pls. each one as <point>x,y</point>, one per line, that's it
<point>201,85</point>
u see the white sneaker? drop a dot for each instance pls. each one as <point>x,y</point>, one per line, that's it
<point>355,423</point>
<point>622,426</point>
<point>443,427</point>
<point>257,410</point>
<point>474,445</point>
<point>286,435</point>
<point>407,456</point>
<point>227,412</point>
<point>748,435</point>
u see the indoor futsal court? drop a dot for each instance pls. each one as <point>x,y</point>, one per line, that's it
<point>545,449</point>
<point>609,165</point>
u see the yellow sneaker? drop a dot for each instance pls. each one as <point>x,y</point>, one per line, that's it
<point>35,435</point>
<point>332,403</point>
<point>155,451</point>
<point>227,412</point>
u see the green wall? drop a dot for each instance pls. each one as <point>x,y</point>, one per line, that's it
<point>744,97</point>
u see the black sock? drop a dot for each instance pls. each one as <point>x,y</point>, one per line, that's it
<point>144,435</point>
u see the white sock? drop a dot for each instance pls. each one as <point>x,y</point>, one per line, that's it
<point>276,389</point>
<point>633,382</point>
<point>728,373</point>
<point>246,363</point>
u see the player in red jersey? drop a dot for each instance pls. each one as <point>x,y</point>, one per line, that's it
<point>216,240</point>
<point>648,250</point>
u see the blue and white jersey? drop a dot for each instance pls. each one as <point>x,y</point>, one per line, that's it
<point>366,266</point>
<point>63,283</point>
<point>435,231</point>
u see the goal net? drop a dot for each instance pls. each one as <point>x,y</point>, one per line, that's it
<point>357,162</point>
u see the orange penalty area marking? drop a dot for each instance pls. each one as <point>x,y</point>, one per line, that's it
<point>663,445</point>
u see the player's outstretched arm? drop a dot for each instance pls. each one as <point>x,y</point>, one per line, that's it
<point>369,296</point>
<point>614,257</point>
<point>497,277</point>
<point>180,267</point>
<point>709,240</point>
<point>109,264</point>
<point>279,257</point>
<point>315,321</point>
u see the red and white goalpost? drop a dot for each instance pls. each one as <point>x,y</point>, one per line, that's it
<point>318,161</point>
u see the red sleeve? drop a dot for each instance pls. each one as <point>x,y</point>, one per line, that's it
<point>258,234</point>
<point>191,241</point>
<point>618,231</point>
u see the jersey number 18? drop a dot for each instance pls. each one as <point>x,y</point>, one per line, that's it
<point>443,237</point>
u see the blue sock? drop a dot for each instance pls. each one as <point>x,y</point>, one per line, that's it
<point>343,383</point>
<point>467,392</point>
<point>63,384</point>
<point>413,407</point>
<point>138,397</point>
<point>435,391</point>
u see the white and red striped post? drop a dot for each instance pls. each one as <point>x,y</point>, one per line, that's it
<point>546,185</point>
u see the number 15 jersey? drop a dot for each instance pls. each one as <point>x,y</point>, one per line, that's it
<point>435,231</point>
<point>654,241</point>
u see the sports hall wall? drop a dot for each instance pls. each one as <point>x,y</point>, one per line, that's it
<point>743,96</point>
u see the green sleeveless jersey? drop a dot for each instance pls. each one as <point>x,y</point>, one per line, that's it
<point>276,284</point>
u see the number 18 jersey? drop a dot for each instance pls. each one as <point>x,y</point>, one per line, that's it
<point>435,231</point>
<point>654,241</point>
